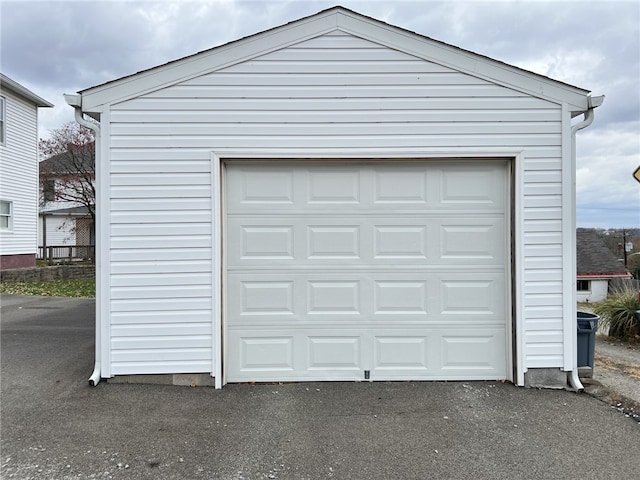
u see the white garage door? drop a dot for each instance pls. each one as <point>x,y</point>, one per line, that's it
<point>381,271</point>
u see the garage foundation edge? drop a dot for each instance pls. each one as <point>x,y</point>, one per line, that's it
<point>545,378</point>
<point>180,379</point>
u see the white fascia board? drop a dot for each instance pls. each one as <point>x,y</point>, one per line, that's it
<point>20,90</point>
<point>483,153</point>
<point>205,62</point>
<point>465,61</point>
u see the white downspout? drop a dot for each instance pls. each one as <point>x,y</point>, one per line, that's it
<point>592,103</point>
<point>76,102</point>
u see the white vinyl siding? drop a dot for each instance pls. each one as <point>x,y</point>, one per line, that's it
<point>60,230</point>
<point>19,174</point>
<point>323,97</point>
<point>161,264</point>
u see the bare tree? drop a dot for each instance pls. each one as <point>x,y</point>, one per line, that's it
<point>67,166</point>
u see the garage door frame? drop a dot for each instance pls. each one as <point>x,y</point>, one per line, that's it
<point>513,225</point>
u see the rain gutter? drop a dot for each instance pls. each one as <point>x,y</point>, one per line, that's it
<point>592,104</point>
<point>75,101</point>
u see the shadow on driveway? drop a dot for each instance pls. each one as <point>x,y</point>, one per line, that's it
<point>55,426</point>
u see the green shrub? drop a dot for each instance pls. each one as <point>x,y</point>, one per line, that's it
<point>618,312</point>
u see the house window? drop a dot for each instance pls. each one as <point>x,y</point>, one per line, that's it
<point>49,190</point>
<point>5,215</point>
<point>583,285</point>
<point>2,120</point>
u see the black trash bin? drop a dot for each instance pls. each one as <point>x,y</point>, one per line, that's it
<point>587,328</point>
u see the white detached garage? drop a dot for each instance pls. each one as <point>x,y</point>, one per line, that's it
<point>336,199</point>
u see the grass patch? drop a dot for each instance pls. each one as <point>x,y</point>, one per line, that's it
<point>80,288</point>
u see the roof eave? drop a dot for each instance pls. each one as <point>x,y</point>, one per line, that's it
<point>25,93</point>
<point>473,63</point>
<point>94,98</point>
<point>602,276</point>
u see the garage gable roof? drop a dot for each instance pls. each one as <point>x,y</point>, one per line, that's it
<point>334,19</point>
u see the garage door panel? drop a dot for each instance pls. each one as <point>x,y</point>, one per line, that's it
<point>262,353</point>
<point>275,354</point>
<point>267,297</point>
<point>330,297</point>
<point>400,297</point>
<point>396,188</point>
<point>477,295</point>
<point>404,353</point>
<point>261,187</point>
<point>367,297</point>
<point>440,353</point>
<point>473,187</point>
<point>390,270</point>
<point>332,242</point>
<point>296,297</point>
<point>396,242</point>
<point>480,352</point>
<point>472,240</point>
<point>330,186</point>
<point>296,240</point>
<point>266,242</point>
<point>341,353</point>
<point>469,185</point>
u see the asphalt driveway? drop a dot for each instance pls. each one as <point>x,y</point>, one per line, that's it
<point>55,426</point>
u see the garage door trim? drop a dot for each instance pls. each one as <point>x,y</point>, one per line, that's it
<point>220,219</point>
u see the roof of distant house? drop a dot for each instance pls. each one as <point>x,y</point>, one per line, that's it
<point>594,258</point>
<point>73,211</point>
<point>63,163</point>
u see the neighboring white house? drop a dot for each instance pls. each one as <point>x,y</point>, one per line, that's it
<point>596,267</point>
<point>336,199</point>
<point>65,226</point>
<point>18,173</point>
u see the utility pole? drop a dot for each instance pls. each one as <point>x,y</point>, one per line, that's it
<point>624,246</point>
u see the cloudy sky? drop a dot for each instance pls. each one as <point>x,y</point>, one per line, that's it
<point>57,47</point>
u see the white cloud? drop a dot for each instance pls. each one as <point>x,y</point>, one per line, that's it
<point>605,188</point>
<point>575,67</point>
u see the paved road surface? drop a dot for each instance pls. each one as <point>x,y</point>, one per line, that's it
<point>54,426</point>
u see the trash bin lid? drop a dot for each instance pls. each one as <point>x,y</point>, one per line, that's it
<point>587,326</point>
<point>587,316</point>
<point>587,322</point>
